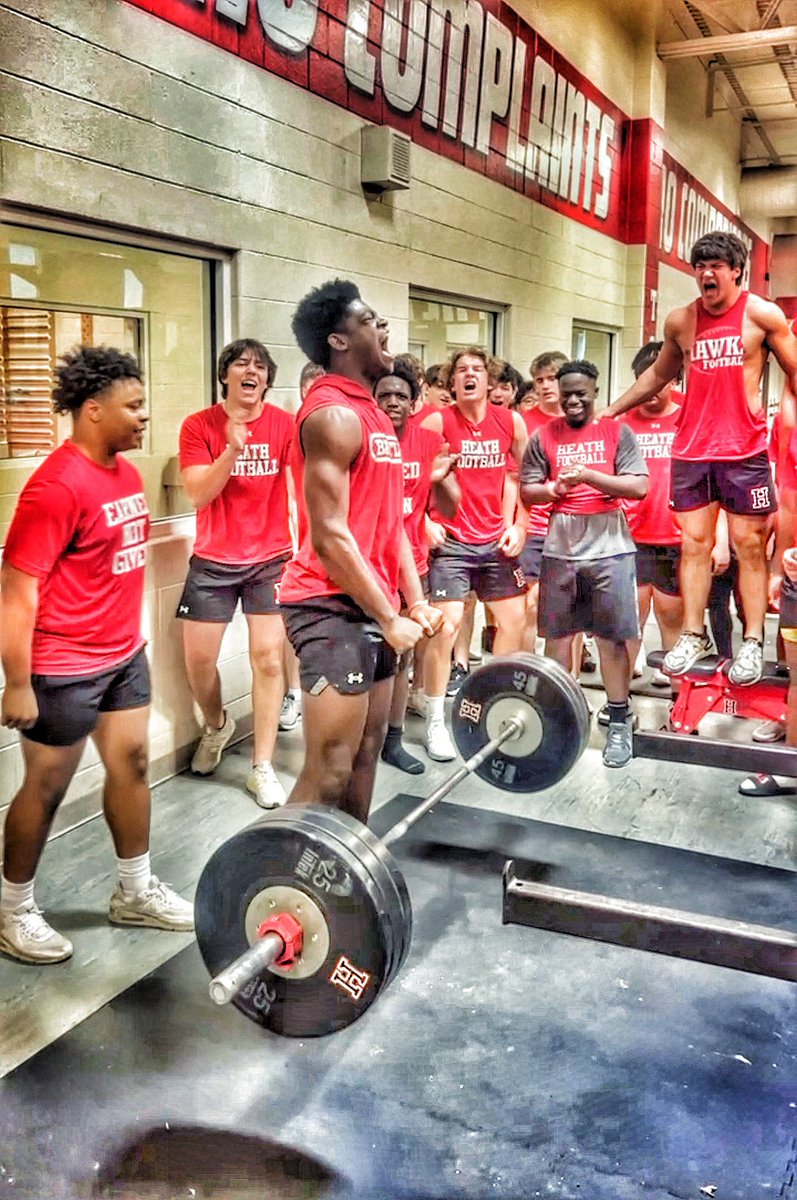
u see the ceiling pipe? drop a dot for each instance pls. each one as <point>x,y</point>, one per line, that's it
<point>727,43</point>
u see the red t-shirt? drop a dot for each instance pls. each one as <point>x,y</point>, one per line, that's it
<point>484,452</point>
<point>716,422</point>
<point>539,514</point>
<point>248,520</point>
<point>81,529</point>
<point>652,520</point>
<point>419,448</point>
<point>594,446</point>
<point>376,496</point>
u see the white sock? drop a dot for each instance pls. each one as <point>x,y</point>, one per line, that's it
<point>14,894</point>
<point>296,693</point>
<point>435,709</point>
<point>134,874</point>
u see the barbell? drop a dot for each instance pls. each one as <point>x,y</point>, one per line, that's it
<point>304,919</point>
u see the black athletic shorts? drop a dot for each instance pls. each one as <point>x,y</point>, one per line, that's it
<point>337,645</point>
<point>455,570</point>
<point>530,558</point>
<point>596,596</point>
<point>742,486</point>
<point>658,565</point>
<point>213,589</point>
<point>70,705</point>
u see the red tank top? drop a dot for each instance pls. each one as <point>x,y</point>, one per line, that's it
<point>594,446</point>
<point>716,422</point>
<point>376,492</point>
<point>481,472</point>
<point>539,514</point>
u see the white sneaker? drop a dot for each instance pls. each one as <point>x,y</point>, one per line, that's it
<point>207,755</point>
<point>438,743</point>
<point>416,703</point>
<point>263,784</point>
<point>748,665</point>
<point>158,907</point>
<point>688,650</point>
<point>290,713</point>
<point>24,934</point>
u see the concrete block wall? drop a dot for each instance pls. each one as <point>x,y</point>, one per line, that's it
<point>109,115</point>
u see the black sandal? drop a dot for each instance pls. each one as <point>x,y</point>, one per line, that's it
<point>766,785</point>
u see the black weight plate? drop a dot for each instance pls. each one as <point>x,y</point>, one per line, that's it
<point>284,849</point>
<point>384,871</point>
<point>520,680</point>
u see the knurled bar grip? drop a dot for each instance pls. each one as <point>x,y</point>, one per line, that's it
<point>512,729</point>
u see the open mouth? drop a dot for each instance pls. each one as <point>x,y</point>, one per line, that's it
<point>249,386</point>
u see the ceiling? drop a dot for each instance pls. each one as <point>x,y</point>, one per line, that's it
<point>748,49</point>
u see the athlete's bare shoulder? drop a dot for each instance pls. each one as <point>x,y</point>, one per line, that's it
<point>766,314</point>
<point>679,321</point>
<point>680,326</point>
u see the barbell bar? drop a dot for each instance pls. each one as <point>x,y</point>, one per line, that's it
<point>520,723</point>
<point>271,947</point>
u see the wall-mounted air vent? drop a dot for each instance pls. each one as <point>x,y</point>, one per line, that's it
<point>385,159</point>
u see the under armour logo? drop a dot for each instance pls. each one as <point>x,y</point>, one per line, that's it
<point>354,677</point>
<point>183,608</point>
<point>440,592</point>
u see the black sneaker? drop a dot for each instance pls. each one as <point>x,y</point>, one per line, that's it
<point>619,748</point>
<point>456,679</point>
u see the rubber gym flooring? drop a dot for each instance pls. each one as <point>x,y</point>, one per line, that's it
<point>503,1061</point>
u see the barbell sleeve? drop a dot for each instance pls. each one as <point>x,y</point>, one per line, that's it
<point>513,728</point>
<point>228,983</point>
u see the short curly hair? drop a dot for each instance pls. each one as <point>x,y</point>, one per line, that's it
<point>86,371</point>
<point>321,313</point>
<point>234,351</point>
<point>406,373</point>
<point>579,366</point>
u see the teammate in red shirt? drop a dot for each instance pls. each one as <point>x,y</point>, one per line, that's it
<point>546,389</point>
<point>72,651</point>
<point>652,522</point>
<point>484,539</point>
<point>585,468</point>
<point>340,592</point>
<point>233,463</point>
<point>719,454</point>
<point>428,469</point>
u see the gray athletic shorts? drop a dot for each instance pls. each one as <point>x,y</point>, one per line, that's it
<point>596,596</point>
